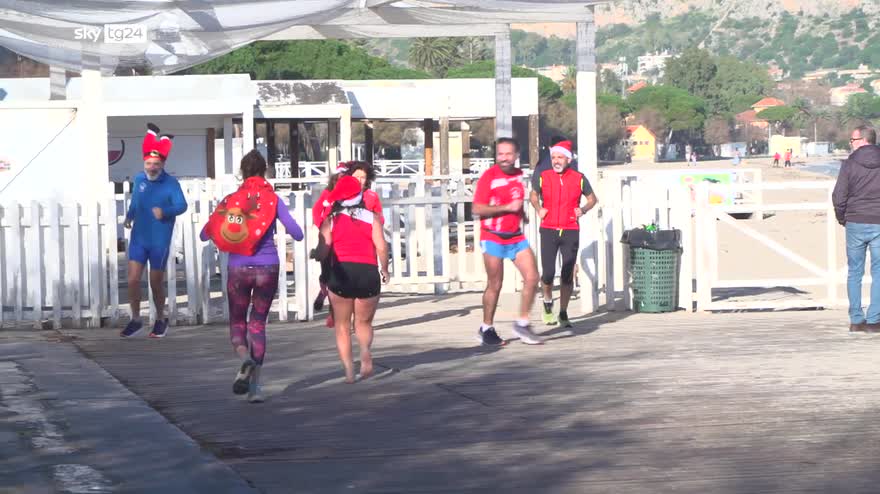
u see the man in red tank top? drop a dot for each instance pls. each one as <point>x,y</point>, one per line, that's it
<point>498,201</point>
<point>556,196</point>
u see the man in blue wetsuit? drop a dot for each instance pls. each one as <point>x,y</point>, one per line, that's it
<point>156,200</point>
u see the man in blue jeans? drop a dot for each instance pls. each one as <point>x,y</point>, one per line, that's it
<point>856,201</point>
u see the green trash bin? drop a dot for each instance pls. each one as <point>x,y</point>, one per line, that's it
<point>655,260</point>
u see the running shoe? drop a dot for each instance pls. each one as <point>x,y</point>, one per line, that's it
<point>563,319</point>
<point>549,318</point>
<point>526,335</point>
<point>242,383</point>
<point>489,337</point>
<point>255,391</point>
<point>160,329</point>
<point>131,328</point>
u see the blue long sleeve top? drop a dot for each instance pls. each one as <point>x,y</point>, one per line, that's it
<point>164,193</point>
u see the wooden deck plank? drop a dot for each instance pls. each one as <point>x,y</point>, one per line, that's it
<point>750,402</point>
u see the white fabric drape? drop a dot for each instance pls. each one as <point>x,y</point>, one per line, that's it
<point>72,33</point>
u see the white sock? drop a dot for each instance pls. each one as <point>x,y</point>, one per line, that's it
<point>522,322</point>
<point>484,327</point>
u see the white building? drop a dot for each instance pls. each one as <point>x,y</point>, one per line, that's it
<point>653,63</point>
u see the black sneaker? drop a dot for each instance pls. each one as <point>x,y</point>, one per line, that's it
<point>489,337</point>
<point>160,329</point>
<point>131,328</point>
<point>242,383</point>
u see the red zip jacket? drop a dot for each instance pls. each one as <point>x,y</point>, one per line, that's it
<point>560,195</point>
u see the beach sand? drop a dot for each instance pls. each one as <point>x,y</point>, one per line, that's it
<point>804,233</point>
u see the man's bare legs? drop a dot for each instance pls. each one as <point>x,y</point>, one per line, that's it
<point>565,291</point>
<point>364,310</point>
<point>135,273</point>
<point>494,280</point>
<point>157,286</point>
<point>528,268</point>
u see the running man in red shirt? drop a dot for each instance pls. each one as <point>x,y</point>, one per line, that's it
<point>498,201</point>
<point>556,196</point>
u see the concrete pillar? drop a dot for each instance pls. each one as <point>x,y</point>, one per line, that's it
<point>369,149</point>
<point>332,145</point>
<point>228,134</point>
<point>466,146</point>
<point>503,91</point>
<point>444,146</point>
<point>589,257</point>
<point>93,117</point>
<point>428,129</point>
<point>57,83</point>
<point>345,134</point>
<point>534,138</point>
<point>247,130</point>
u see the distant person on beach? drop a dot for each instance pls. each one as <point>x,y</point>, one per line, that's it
<point>787,158</point>
<point>856,199</point>
<point>498,201</point>
<point>156,200</point>
<point>693,158</point>
<point>556,196</point>
<point>776,159</point>
<point>736,158</point>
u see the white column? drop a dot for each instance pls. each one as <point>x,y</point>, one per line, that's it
<point>345,134</point>
<point>589,256</point>
<point>332,144</point>
<point>247,130</point>
<point>93,125</point>
<point>503,91</point>
<point>228,166</point>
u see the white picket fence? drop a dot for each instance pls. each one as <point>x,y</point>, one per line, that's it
<point>62,265</point>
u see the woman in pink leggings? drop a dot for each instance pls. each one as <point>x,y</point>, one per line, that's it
<point>252,282</point>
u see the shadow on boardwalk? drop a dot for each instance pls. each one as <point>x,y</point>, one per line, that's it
<point>620,403</point>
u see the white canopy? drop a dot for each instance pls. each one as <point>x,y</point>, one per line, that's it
<point>167,36</point>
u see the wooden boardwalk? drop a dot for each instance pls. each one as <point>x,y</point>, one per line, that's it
<point>724,403</point>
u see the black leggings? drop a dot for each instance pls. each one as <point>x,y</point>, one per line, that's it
<point>558,241</point>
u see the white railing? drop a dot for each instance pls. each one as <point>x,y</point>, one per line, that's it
<point>827,274</point>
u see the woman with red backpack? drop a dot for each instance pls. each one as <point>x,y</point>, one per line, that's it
<point>243,224</point>
<point>354,242</point>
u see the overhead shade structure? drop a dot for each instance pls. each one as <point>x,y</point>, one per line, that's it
<point>166,36</point>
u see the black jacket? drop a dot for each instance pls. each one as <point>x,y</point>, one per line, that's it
<point>856,194</point>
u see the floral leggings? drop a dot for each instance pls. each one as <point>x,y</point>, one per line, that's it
<point>255,287</point>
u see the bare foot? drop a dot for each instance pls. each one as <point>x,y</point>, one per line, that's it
<point>349,372</point>
<point>366,365</point>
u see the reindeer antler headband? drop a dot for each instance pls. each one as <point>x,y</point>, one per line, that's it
<point>155,146</point>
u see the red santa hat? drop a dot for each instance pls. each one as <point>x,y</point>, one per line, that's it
<point>346,189</point>
<point>562,147</point>
<point>342,167</point>
<point>154,145</point>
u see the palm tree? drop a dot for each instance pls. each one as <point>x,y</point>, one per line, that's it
<point>569,81</point>
<point>473,49</point>
<point>819,114</point>
<point>435,55</point>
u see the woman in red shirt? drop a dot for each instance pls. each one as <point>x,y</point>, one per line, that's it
<point>354,242</point>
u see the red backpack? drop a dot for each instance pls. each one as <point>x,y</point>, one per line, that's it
<point>243,217</point>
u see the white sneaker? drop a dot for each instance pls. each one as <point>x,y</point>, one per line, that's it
<point>526,335</point>
<point>255,393</point>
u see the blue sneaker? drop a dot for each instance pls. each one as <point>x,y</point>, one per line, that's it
<point>131,328</point>
<point>160,329</point>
